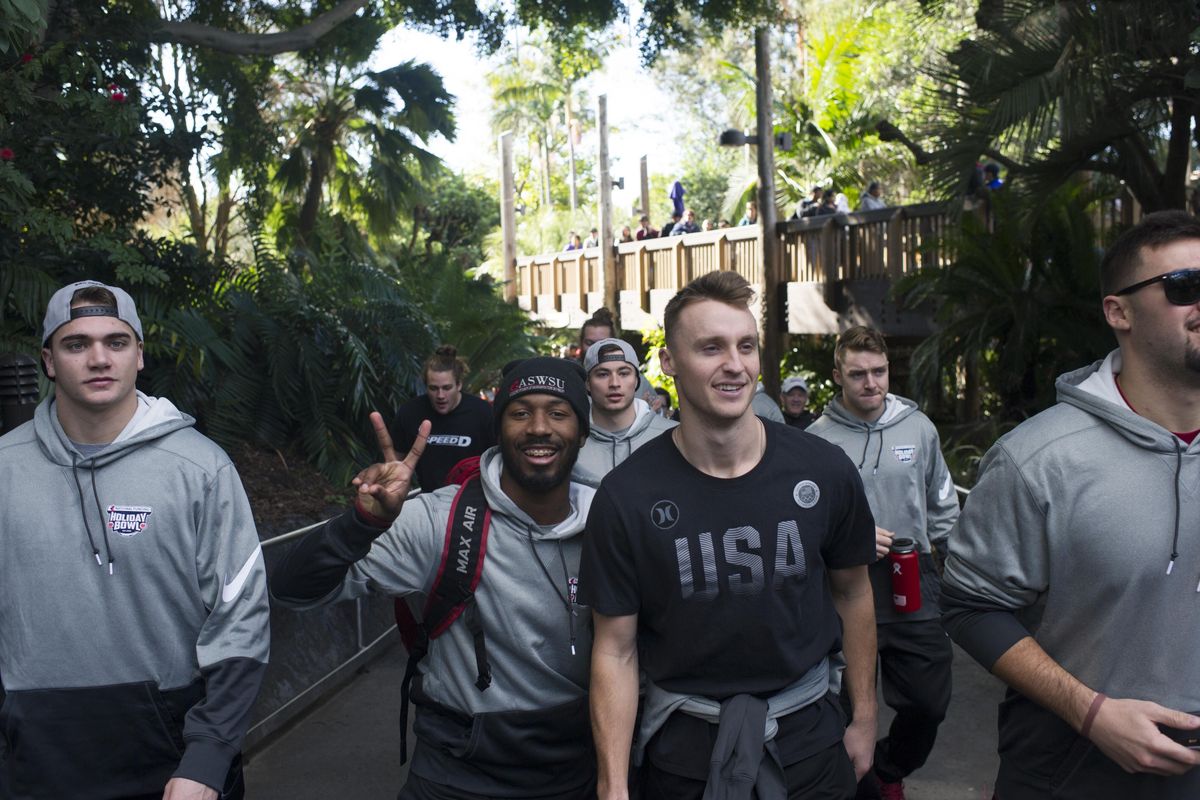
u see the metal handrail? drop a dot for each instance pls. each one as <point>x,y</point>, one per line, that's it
<point>363,649</point>
<point>296,534</point>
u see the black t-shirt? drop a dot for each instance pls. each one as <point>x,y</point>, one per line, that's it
<point>801,420</point>
<point>466,431</point>
<point>728,576</point>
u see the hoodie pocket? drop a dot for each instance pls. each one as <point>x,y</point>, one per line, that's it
<point>107,741</point>
<point>555,735</point>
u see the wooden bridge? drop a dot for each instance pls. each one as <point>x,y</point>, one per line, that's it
<point>837,271</point>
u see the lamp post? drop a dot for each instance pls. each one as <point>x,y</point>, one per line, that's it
<point>767,141</point>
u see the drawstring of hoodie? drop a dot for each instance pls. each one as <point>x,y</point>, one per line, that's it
<point>1175,536</point>
<point>99,510</point>
<point>567,601</point>
<point>878,453</point>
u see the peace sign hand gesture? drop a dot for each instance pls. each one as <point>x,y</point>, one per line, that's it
<point>383,487</point>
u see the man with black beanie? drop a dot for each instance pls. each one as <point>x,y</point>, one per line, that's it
<point>525,734</point>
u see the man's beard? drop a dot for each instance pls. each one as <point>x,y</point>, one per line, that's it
<point>1191,358</point>
<point>539,481</point>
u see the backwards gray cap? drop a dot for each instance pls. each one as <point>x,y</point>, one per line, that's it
<point>593,359</point>
<point>59,311</point>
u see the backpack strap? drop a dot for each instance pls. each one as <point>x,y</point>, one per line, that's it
<point>453,592</point>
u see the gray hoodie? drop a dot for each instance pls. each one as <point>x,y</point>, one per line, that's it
<point>491,742</point>
<point>174,615</point>
<point>1084,531</point>
<point>908,485</point>
<point>603,449</point>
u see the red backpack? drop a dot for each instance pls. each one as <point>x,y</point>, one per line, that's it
<point>453,592</point>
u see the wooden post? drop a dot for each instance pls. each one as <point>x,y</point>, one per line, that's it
<point>508,218</point>
<point>645,173</point>
<point>582,284</point>
<point>895,244</point>
<point>571,153</point>
<point>608,267</point>
<point>771,309</point>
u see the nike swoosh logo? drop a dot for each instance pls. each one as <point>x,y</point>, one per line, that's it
<point>233,588</point>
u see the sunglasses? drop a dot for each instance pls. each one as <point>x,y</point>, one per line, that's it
<point>1182,287</point>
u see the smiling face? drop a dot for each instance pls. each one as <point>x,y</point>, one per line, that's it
<point>539,441</point>
<point>94,362</point>
<point>445,393</point>
<point>1162,336</point>
<point>795,401</point>
<point>713,356</point>
<point>863,377</point>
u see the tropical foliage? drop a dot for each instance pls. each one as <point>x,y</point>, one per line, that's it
<point>273,220</point>
<point>1052,89</point>
<point>838,67</point>
<point>1016,308</point>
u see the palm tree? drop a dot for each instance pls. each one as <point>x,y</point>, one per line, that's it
<point>1018,304</point>
<point>535,91</point>
<point>362,140</point>
<point>1049,89</point>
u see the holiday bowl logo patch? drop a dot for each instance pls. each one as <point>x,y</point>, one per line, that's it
<point>904,453</point>
<point>806,494</point>
<point>128,520</point>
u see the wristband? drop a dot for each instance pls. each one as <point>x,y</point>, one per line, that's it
<point>368,518</point>
<point>1091,714</point>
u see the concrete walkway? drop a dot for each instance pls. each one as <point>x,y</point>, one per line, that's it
<point>348,747</point>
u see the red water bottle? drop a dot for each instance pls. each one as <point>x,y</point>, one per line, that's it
<point>906,576</point>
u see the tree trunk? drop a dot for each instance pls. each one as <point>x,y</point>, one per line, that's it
<point>312,199</point>
<point>1175,173</point>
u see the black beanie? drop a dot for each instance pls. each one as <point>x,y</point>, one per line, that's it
<point>544,375</point>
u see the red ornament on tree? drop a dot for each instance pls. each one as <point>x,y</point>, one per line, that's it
<point>26,58</point>
<point>7,154</point>
<point>117,97</point>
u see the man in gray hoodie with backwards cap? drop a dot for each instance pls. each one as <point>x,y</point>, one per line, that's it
<point>621,422</point>
<point>526,734</point>
<point>1073,570</point>
<point>899,456</point>
<point>133,599</point>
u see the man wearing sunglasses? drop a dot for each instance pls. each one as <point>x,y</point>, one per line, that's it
<point>1074,570</point>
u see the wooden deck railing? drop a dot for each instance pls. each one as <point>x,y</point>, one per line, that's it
<point>870,245</point>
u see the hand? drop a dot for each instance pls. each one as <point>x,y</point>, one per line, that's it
<point>883,541</point>
<point>1126,732</point>
<point>184,789</point>
<point>859,741</point>
<point>383,487</point>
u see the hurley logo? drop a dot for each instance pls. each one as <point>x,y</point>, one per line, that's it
<point>128,520</point>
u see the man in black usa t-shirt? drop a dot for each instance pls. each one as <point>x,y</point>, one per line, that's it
<point>728,555</point>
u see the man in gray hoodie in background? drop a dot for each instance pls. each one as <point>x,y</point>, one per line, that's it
<point>1073,570</point>
<point>501,697</point>
<point>621,422</point>
<point>134,625</point>
<point>899,456</point>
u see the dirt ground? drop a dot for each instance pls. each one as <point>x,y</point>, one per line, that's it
<point>285,491</point>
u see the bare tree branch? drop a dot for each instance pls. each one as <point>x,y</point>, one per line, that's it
<point>257,44</point>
